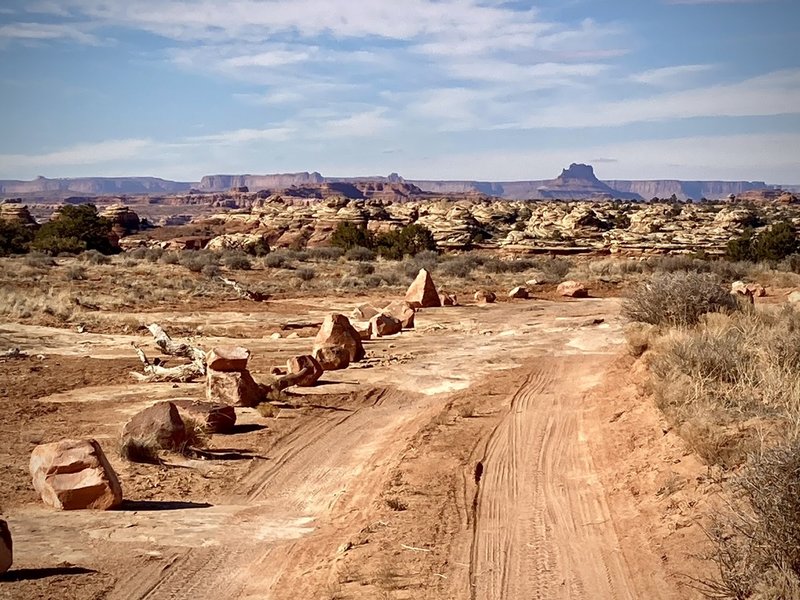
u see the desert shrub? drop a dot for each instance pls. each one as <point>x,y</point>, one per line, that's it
<point>305,274</point>
<point>138,253</point>
<point>461,266</point>
<point>349,235</point>
<point>396,504</point>
<point>15,238</point>
<point>237,261</point>
<point>93,257</point>
<point>755,541</point>
<point>265,409</point>
<point>210,271</point>
<point>39,260</point>
<point>75,229</point>
<point>326,254</point>
<point>141,450</point>
<point>154,254</point>
<point>75,273</point>
<point>363,268</point>
<point>195,260</point>
<point>679,298</point>
<point>275,260</point>
<point>169,258</point>
<point>197,435</point>
<point>360,253</point>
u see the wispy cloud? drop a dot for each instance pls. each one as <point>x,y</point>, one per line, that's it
<point>242,136</point>
<point>46,31</point>
<point>79,154</point>
<point>668,76</point>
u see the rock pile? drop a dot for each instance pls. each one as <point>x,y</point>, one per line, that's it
<point>228,380</point>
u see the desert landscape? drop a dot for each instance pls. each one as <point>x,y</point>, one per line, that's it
<point>335,397</point>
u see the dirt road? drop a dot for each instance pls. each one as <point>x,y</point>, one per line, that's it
<point>539,523</point>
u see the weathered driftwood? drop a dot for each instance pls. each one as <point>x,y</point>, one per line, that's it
<point>244,292</point>
<point>154,371</point>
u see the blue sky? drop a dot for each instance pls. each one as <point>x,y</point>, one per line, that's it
<point>445,89</point>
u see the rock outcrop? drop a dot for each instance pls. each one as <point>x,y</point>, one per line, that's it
<point>73,475</point>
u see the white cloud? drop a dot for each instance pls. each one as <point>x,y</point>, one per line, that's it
<point>79,154</point>
<point>46,31</point>
<point>363,124</point>
<point>668,76</point>
<point>243,136</point>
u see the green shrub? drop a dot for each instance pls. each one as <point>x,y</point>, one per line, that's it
<point>169,258</point>
<point>679,298</point>
<point>349,235</point>
<point>138,253</point>
<point>14,238</point>
<point>276,260</point>
<point>93,257</point>
<point>195,260</point>
<point>773,244</point>
<point>237,261</point>
<point>305,274</point>
<point>73,230</point>
<point>326,254</point>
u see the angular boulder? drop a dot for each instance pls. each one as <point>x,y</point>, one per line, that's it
<point>235,388</point>
<point>485,297</point>
<point>6,548</point>
<point>572,289</point>
<point>364,312</point>
<point>448,299</point>
<point>159,426</point>
<point>306,368</point>
<point>74,475</point>
<point>402,311</point>
<point>422,292</point>
<point>332,358</point>
<point>228,359</point>
<point>519,293</point>
<point>383,325</point>
<point>336,330</point>
<point>213,416</point>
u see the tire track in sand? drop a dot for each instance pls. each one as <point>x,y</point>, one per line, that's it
<point>542,528</point>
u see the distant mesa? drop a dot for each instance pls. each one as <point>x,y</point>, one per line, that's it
<point>576,182</point>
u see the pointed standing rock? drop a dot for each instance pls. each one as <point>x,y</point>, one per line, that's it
<point>74,474</point>
<point>422,292</point>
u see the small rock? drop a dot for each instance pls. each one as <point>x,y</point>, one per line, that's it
<point>364,312</point>
<point>73,475</point>
<point>485,297</point>
<point>382,325</point>
<point>332,358</point>
<point>572,289</point>
<point>794,298</point>
<point>448,299</point>
<point>214,417</point>
<point>519,292</point>
<point>307,369</point>
<point>228,358</point>
<point>232,388</point>
<point>275,336</point>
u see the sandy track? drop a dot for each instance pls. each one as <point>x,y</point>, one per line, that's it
<point>542,527</point>
<point>339,460</point>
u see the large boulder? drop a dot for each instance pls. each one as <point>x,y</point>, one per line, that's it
<point>306,368</point>
<point>332,358</point>
<point>6,547</point>
<point>159,427</point>
<point>402,311</point>
<point>519,293</point>
<point>213,416</point>
<point>485,297</point>
<point>336,330</point>
<point>235,388</point>
<point>383,325</point>
<point>572,289</point>
<point>228,358</point>
<point>73,475</point>
<point>422,292</point>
